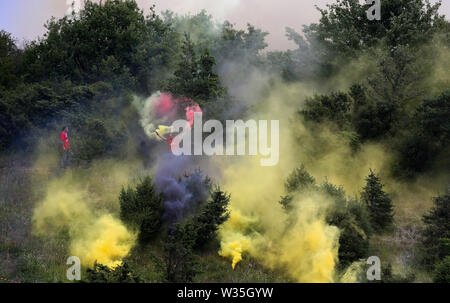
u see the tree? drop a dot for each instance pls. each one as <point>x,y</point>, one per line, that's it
<point>194,77</point>
<point>95,142</point>
<point>436,233</point>
<point>10,57</point>
<point>442,271</point>
<point>345,32</point>
<point>378,203</point>
<point>110,36</point>
<point>213,214</point>
<point>179,257</point>
<point>142,208</point>
<point>299,180</point>
<point>344,27</point>
<point>371,119</point>
<point>192,233</point>
<point>334,108</point>
<point>426,138</point>
<point>350,216</point>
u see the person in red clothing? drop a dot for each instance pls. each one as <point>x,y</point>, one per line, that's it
<point>168,139</point>
<point>65,147</point>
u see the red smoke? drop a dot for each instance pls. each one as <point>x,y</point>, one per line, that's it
<point>190,110</point>
<point>165,106</point>
<point>168,106</point>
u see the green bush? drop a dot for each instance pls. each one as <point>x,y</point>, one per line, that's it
<point>104,274</point>
<point>179,258</point>
<point>142,209</point>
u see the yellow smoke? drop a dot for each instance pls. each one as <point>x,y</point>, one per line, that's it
<point>301,244</point>
<point>106,241</point>
<point>85,203</point>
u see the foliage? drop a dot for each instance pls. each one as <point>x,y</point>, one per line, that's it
<point>142,208</point>
<point>10,60</point>
<point>442,271</point>
<point>378,203</point>
<point>436,233</point>
<point>112,36</point>
<point>349,215</point>
<point>333,107</point>
<point>211,216</point>
<point>428,137</point>
<point>299,180</point>
<point>104,274</point>
<point>194,76</point>
<point>179,257</point>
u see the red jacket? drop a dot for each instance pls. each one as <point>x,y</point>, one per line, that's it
<point>65,139</point>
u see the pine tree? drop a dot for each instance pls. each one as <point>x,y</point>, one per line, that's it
<point>436,231</point>
<point>194,76</point>
<point>179,258</point>
<point>142,208</point>
<point>442,271</point>
<point>214,213</point>
<point>378,202</point>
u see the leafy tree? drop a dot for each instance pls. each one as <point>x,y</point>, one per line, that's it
<point>427,138</point>
<point>436,233</point>
<point>10,59</point>
<point>345,28</point>
<point>142,208</point>
<point>334,107</point>
<point>107,38</point>
<point>35,106</point>
<point>398,74</point>
<point>194,77</point>
<point>95,143</point>
<point>378,203</point>
<point>344,32</point>
<point>241,45</point>
<point>371,119</point>
<point>201,27</point>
